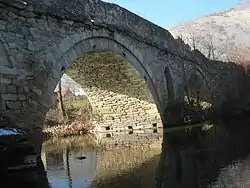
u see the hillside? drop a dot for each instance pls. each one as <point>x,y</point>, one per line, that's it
<point>219,35</point>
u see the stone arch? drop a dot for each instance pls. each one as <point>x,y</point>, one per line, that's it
<point>105,44</point>
<point>197,85</point>
<point>194,84</point>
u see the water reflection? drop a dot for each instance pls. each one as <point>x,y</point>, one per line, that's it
<point>99,168</point>
<point>207,156</point>
<point>212,156</point>
<point>33,178</point>
<point>64,163</point>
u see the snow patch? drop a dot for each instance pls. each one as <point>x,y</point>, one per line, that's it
<point>8,131</point>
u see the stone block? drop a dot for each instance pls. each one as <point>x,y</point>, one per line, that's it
<point>13,97</point>
<point>3,59</point>
<point>3,88</point>
<point>13,104</point>
<point>4,70</point>
<point>12,88</point>
<point>2,25</point>
<point>37,91</point>
<point>10,97</point>
<point>4,80</point>
<point>32,104</point>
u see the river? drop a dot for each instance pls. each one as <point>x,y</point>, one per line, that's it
<point>207,155</point>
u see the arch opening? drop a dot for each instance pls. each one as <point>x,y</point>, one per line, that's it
<point>197,100</point>
<point>115,86</point>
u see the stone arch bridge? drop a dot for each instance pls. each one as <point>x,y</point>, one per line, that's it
<point>40,38</point>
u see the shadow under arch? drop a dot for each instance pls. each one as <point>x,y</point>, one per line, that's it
<point>173,112</point>
<point>105,44</point>
<point>198,82</point>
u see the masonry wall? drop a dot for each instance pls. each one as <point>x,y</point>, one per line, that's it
<point>118,94</point>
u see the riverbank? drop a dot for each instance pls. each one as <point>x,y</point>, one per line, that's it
<point>64,130</point>
<point>76,122</point>
<point>79,117</point>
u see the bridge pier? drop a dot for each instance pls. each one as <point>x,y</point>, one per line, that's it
<point>173,115</point>
<point>25,116</point>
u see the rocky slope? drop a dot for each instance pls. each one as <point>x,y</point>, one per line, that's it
<point>219,35</point>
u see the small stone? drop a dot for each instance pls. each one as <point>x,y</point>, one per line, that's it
<point>37,91</point>
<point>26,89</point>
<point>3,88</point>
<point>68,22</point>
<point>32,46</point>
<point>22,97</point>
<point>20,89</point>
<point>5,81</point>
<point>13,97</point>
<point>11,88</point>
<point>12,45</point>
<point>10,97</point>
<point>2,25</point>
<point>34,31</point>
<point>25,30</point>
<point>32,104</point>
<point>3,58</point>
<point>24,104</point>
<point>13,104</point>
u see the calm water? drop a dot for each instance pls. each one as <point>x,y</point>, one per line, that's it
<point>100,167</point>
<point>216,155</point>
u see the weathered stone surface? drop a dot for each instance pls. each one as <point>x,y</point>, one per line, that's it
<point>12,88</point>
<point>13,104</point>
<point>35,38</point>
<point>13,97</point>
<point>7,71</point>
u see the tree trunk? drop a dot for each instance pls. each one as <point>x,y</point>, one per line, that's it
<point>61,100</point>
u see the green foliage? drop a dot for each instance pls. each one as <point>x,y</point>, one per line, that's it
<point>76,104</point>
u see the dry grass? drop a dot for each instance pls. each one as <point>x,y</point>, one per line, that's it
<point>78,121</point>
<point>63,130</point>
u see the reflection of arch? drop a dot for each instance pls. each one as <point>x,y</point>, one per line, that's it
<point>104,44</point>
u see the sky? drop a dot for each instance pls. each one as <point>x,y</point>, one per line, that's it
<point>166,13</point>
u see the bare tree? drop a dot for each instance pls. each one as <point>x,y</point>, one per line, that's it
<point>205,41</point>
<point>61,99</point>
<point>240,54</point>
